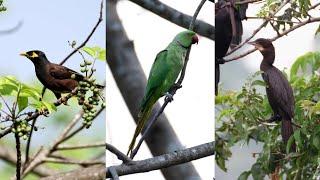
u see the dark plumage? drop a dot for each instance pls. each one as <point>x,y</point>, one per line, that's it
<point>228,31</point>
<point>279,91</point>
<point>55,77</point>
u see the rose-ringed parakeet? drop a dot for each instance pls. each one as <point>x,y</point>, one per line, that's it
<point>164,72</point>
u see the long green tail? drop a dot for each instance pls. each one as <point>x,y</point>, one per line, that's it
<point>143,117</point>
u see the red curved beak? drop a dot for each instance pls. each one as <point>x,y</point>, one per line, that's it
<point>195,39</point>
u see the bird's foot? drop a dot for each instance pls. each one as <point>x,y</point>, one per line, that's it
<point>64,101</point>
<point>274,118</point>
<point>220,61</point>
<point>169,97</point>
<point>177,86</point>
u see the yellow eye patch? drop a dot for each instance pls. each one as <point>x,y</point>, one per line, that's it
<point>34,55</point>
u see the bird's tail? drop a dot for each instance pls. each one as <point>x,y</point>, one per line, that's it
<point>286,132</point>
<point>143,116</point>
<point>217,78</point>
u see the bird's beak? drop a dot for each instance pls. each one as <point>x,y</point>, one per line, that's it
<point>252,43</point>
<point>195,39</point>
<point>256,45</point>
<point>24,54</point>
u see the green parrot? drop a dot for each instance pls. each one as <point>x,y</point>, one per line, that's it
<point>164,72</point>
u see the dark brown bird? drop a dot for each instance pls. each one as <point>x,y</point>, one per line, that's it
<point>279,91</point>
<point>57,78</point>
<point>228,32</point>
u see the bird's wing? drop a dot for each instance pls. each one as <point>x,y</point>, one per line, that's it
<point>280,91</point>
<point>61,72</point>
<point>157,75</point>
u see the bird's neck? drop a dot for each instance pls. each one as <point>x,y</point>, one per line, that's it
<point>268,59</point>
<point>181,45</point>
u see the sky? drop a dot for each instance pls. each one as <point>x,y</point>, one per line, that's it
<point>48,26</point>
<point>191,112</point>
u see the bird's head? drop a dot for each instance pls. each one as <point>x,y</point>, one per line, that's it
<point>35,56</point>
<point>186,38</point>
<point>262,44</point>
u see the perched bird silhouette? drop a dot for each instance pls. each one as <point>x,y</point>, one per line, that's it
<point>162,77</point>
<point>57,78</point>
<point>228,32</point>
<point>278,89</point>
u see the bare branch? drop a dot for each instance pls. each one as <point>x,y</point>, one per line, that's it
<point>265,22</point>
<point>82,146</point>
<point>308,21</point>
<point>173,89</point>
<point>69,161</point>
<point>9,156</point>
<point>176,17</point>
<point>93,173</point>
<point>131,80</point>
<point>118,153</point>
<point>166,160</point>
<point>88,38</point>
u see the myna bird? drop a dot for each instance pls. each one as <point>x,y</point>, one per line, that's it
<point>57,78</point>
<point>279,91</point>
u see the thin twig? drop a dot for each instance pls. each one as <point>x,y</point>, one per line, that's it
<point>29,141</point>
<point>88,38</point>
<point>118,153</point>
<point>265,22</point>
<point>82,146</point>
<point>311,20</point>
<point>18,164</point>
<point>249,1</point>
<point>173,89</point>
<point>69,161</point>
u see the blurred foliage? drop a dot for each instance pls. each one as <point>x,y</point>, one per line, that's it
<point>2,7</point>
<point>295,12</point>
<point>242,118</point>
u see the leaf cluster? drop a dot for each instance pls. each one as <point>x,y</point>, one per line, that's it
<point>242,118</point>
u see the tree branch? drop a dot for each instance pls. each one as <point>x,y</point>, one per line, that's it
<point>88,38</point>
<point>166,160</point>
<point>131,81</point>
<point>93,173</point>
<point>173,89</point>
<point>308,21</point>
<point>9,156</point>
<point>265,22</point>
<point>118,153</point>
<point>176,17</point>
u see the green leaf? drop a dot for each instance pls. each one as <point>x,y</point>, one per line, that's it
<point>257,172</point>
<point>316,141</point>
<point>90,51</point>
<point>297,137</point>
<point>51,107</point>
<point>102,55</point>
<point>244,175</point>
<point>22,103</point>
<point>289,144</point>
<point>258,83</point>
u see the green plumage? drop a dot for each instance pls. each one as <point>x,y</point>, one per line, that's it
<point>164,72</point>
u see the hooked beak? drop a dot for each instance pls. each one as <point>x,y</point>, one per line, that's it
<point>195,39</point>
